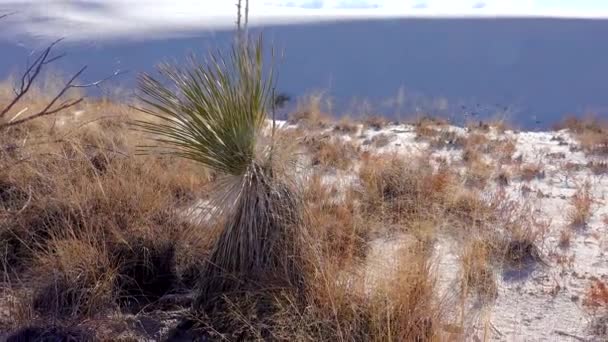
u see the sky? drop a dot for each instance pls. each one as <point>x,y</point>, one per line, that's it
<point>84,19</point>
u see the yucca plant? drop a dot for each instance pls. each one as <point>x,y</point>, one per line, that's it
<point>215,113</point>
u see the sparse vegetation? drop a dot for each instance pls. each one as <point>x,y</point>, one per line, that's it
<point>581,202</point>
<point>590,132</point>
<point>231,227</point>
<point>529,172</point>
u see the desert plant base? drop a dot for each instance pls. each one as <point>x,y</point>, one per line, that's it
<point>259,246</point>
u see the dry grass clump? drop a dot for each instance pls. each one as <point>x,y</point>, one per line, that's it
<point>597,295</point>
<point>598,168</point>
<point>565,238</point>
<point>88,228</point>
<point>381,140</point>
<point>346,126</point>
<point>436,131</point>
<point>310,113</point>
<point>330,152</point>
<point>336,221</point>
<point>520,246</point>
<point>478,171</point>
<point>591,133</point>
<point>529,172</point>
<point>505,236</point>
<point>53,333</point>
<point>477,269</point>
<point>467,209</point>
<point>76,279</point>
<point>596,301</point>
<point>401,190</point>
<point>581,202</point>
<point>375,122</point>
<point>404,305</point>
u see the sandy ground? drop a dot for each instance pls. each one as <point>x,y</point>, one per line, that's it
<point>539,303</point>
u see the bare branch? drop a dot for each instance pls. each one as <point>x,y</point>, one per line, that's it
<point>2,16</point>
<point>29,77</point>
<point>99,82</point>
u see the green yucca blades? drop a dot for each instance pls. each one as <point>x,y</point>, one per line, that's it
<point>210,113</point>
<point>215,114</point>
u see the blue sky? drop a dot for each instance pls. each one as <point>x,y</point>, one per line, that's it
<point>114,18</point>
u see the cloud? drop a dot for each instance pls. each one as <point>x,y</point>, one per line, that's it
<point>99,19</point>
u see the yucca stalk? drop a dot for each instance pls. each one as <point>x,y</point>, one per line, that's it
<point>215,114</point>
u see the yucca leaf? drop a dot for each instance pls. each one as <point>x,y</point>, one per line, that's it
<point>210,112</point>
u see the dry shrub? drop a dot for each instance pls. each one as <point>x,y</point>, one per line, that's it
<point>381,140</point>
<point>581,202</point>
<point>467,209</point>
<point>477,270</point>
<point>432,129</point>
<point>338,223</point>
<point>331,152</point>
<point>91,226</point>
<point>404,306</point>
<point>346,126</point>
<point>398,190</point>
<point>597,295</point>
<point>478,171</point>
<point>519,248</point>
<point>590,132</point>
<point>565,237</point>
<point>477,140</point>
<point>506,229</point>
<point>374,122</point>
<point>596,301</point>
<point>529,172</point>
<point>598,168</point>
<point>310,113</point>
<point>51,333</point>
<point>76,278</point>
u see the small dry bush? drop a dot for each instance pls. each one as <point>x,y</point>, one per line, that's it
<point>477,269</point>
<point>310,113</point>
<point>434,130</point>
<point>597,295</point>
<point>478,170</point>
<point>529,172</point>
<point>402,191</point>
<point>596,301</point>
<point>581,202</point>
<point>374,122</point>
<point>87,227</point>
<point>336,221</point>
<point>346,126</point>
<point>590,132</point>
<point>565,238</point>
<point>405,307</point>
<point>330,152</point>
<point>75,278</point>
<point>598,168</point>
<point>401,305</point>
<point>506,234</point>
<point>381,140</point>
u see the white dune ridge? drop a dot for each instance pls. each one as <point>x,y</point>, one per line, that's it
<point>111,19</point>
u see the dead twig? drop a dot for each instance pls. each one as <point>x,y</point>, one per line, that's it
<point>563,333</point>
<point>29,77</point>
